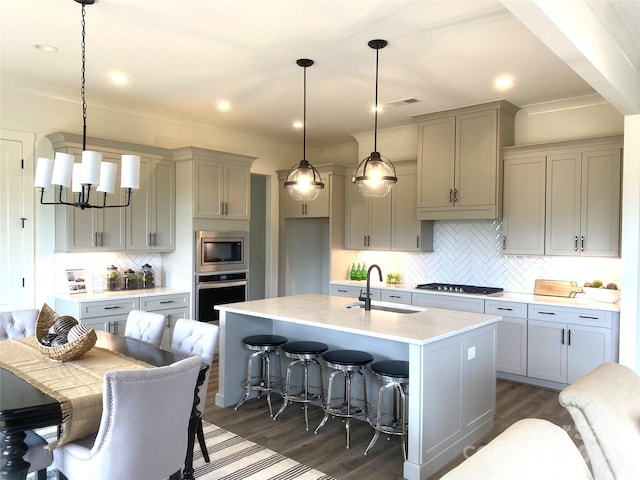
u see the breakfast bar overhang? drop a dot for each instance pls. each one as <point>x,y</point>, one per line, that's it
<point>451,354</point>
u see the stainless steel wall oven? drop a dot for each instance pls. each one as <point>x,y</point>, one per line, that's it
<point>218,289</point>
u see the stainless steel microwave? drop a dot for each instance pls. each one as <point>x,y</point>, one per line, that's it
<point>222,251</point>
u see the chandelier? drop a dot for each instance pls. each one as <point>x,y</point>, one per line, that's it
<point>303,181</point>
<point>375,174</point>
<point>63,172</point>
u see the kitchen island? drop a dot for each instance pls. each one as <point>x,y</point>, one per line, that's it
<point>451,358</point>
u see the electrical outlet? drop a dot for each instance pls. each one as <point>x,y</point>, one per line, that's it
<point>471,353</point>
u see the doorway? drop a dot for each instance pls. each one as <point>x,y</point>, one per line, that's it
<point>258,237</point>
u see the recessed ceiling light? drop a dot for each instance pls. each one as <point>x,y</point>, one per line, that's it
<point>119,78</point>
<point>298,124</point>
<point>504,82</point>
<point>224,106</point>
<point>45,47</point>
<point>373,108</point>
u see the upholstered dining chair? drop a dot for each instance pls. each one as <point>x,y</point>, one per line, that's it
<point>147,327</point>
<point>21,324</point>
<point>192,337</point>
<point>143,428</point>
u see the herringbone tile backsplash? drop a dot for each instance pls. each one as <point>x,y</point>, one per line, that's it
<point>470,252</point>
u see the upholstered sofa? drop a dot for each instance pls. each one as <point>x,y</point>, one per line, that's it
<point>605,406</point>
<point>530,449</point>
<point>18,323</point>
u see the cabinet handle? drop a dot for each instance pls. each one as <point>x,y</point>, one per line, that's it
<point>546,313</point>
<point>95,239</point>
<point>149,240</point>
<point>562,339</point>
<point>504,308</point>
<point>504,242</point>
<point>102,239</point>
<point>364,240</point>
<point>588,317</point>
<point>451,195</point>
<point>114,307</point>
<point>166,301</point>
<point>575,243</point>
<point>582,243</point>
<point>455,195</point>
<point>395,296</point>
<point>155,239</point>
<point>342,291</point>
<point>417,241</point>
<point>226,208</point>
<point>569,337</point>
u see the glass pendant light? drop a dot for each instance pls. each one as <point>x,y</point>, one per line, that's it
<point>303,181</point>
<point>375,174</point>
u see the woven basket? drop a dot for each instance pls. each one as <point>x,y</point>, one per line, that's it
<point>64,353</point>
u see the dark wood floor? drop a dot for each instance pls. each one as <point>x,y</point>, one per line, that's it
<point>326,451</point>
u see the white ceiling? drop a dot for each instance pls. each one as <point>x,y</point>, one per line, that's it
<point>183,56</point>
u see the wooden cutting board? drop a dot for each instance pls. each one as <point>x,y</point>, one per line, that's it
<point>556,288</point>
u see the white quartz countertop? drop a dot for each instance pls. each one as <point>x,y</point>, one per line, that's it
<point>579,301</point>
<point>120,294</point>
<point>422,327</point>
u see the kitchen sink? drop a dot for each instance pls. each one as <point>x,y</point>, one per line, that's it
<point>387,307</point>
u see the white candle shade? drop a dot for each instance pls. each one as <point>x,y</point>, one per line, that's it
<point>90,167</point>
<point>76,182</point>
<point>44,170</point>
<point>130,177</point>
<point>107,177</point>
<point>62,167</point>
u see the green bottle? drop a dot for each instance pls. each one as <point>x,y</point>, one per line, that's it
<point>352,272</point>
<point>363,272</point>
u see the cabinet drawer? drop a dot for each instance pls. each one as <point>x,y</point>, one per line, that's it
<point>506,309</point>
<point>108,308</point>
<point>449,302</point>
<point>595,318</point>
<point>353,291</point>
<point>164,302</point>
<point>396,296</point>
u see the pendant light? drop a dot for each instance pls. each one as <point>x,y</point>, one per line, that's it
<point>375,174</point>
<point>303,181</point>
<point>92,171</point>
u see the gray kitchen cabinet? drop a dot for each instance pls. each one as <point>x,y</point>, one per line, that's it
<point>583,203</point>
<point>367,220</point>
<point>353,291</point>
<point>317,208</point>
<point>151,218</point>
<point>511,350</point>
<point>459,172</point>
<point>564,343</point>
<point>222,185</point>
<point>108,315</point>
<point>523,224</point>
<point>90,229</point>
<point>172,306</point>
<point>395,296</point>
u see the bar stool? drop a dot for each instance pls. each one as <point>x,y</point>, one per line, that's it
<point>304,354</point>
<point>395,377</point>
<point>347,363</point>
<point>263,346</point>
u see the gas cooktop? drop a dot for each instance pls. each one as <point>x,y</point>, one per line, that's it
<point>455,288</point>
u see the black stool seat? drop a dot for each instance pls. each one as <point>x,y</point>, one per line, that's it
<point>305,348</point>
<point>264,340</point>
<point>348,357</point>
<point>391,368</point>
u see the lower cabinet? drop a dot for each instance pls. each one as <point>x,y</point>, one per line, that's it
<point>173,307</point>
<point>563,351</point>
<point>511,349</point>
<point>111,315</point>
<point>353,291</point>
<point>449,302</point>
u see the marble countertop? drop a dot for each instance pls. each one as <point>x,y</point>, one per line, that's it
<point>579,301</point>
<point>119,294</point>
<point>427,325</point>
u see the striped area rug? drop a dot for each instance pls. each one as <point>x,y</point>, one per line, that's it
<point>232,458</point>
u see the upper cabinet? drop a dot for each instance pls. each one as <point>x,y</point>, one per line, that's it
<point>459,174</point>
<point>151,219</point>
<point>563,198</point>
<point>316,208</point>
<point>148,223</point>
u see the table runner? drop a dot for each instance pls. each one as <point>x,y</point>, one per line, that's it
<point>77,384</point>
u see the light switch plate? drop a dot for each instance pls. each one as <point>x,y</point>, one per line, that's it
<point>471,353</point>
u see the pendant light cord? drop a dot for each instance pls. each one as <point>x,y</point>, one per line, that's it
<point>304,117</point>
<point>375,109</point>
<point>82,88</point>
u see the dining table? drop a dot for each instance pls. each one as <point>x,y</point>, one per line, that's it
<point>24,407</point>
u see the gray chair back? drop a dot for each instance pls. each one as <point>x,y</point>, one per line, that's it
<point>18,323</point>
<point>147,327</point>
<point>191,337</point>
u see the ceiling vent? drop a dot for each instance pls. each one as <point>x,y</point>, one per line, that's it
<point>404,101</point>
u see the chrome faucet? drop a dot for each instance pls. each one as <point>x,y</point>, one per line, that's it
<point>367,298</point>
